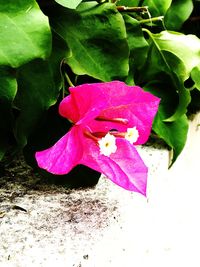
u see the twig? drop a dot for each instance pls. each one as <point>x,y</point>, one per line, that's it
<point>132,9</point>
<point>68,80</point>
<point>160,18</point>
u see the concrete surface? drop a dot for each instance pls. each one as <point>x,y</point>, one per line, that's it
<point>108,226</point>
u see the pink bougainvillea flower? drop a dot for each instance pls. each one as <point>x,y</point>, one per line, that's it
<point>108,120</point>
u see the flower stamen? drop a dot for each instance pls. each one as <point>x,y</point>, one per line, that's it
<point>114,133</point>
<point>91,136</point>
<point>118,120</point>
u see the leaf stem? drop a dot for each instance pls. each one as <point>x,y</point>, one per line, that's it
<point>68,80</point>
<point>132,9</point>
<point>160,18</point>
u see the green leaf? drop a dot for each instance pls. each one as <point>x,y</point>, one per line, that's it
<point>37,91</point>
<point>8,90</point>
<point>185,47</point>
<point>130,3</point>
<point>138,46</point>
<point>69,3</point>
<point>178,13</point>
<point>24,32</point>
<point>195,75</point>
<point>39,84</point>
<point>157,7</point>
<point>96,36</point>
<point>176,54</point>
<point>173,133</point>
<point>171,65</point>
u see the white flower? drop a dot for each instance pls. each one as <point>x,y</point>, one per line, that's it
<point>107,145</point>
<point>132,135</point>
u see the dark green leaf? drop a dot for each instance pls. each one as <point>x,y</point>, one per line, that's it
<point>178,13</point>
<point>173,133</point>
<point>37,91</point>
<point>130,3</point>
<point>96,36</point>
<point>69,3</point>
<point>24,32</point>
<point>8,90</point>
<point>39,85</point>
<point>138,46</point>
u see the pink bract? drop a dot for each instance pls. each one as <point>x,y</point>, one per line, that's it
<point>98,109</point>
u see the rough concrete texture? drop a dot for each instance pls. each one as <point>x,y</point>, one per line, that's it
<point>107,226</point>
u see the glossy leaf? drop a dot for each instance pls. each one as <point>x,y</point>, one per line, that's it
<point>69,3</point>
<point>157,7</point>
<point>185,47</point>
<point>178,13</point>
<point>24,32</point>
<point>96,37</point>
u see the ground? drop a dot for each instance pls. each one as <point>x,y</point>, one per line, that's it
<point>43,225</point>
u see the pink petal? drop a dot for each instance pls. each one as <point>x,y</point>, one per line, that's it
<point>140,115</point>
<point>114,93</point>
<point>125,167</point>
<point>64,155</point>
<point>68,109</point>
<point>85,103</point>
<point>112,100</point>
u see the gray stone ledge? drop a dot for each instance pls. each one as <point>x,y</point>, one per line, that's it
<point>107,226</point>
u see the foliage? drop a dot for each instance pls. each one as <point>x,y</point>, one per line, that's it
<point>43,43</point>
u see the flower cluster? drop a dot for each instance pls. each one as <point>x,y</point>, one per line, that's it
<point>108,120</point>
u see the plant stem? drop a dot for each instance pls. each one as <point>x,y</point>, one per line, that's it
<point>160,18</point>
<point>68,80</point>
<point>132,9</point>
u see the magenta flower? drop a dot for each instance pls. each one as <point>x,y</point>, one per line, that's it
<point>108,119</point>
